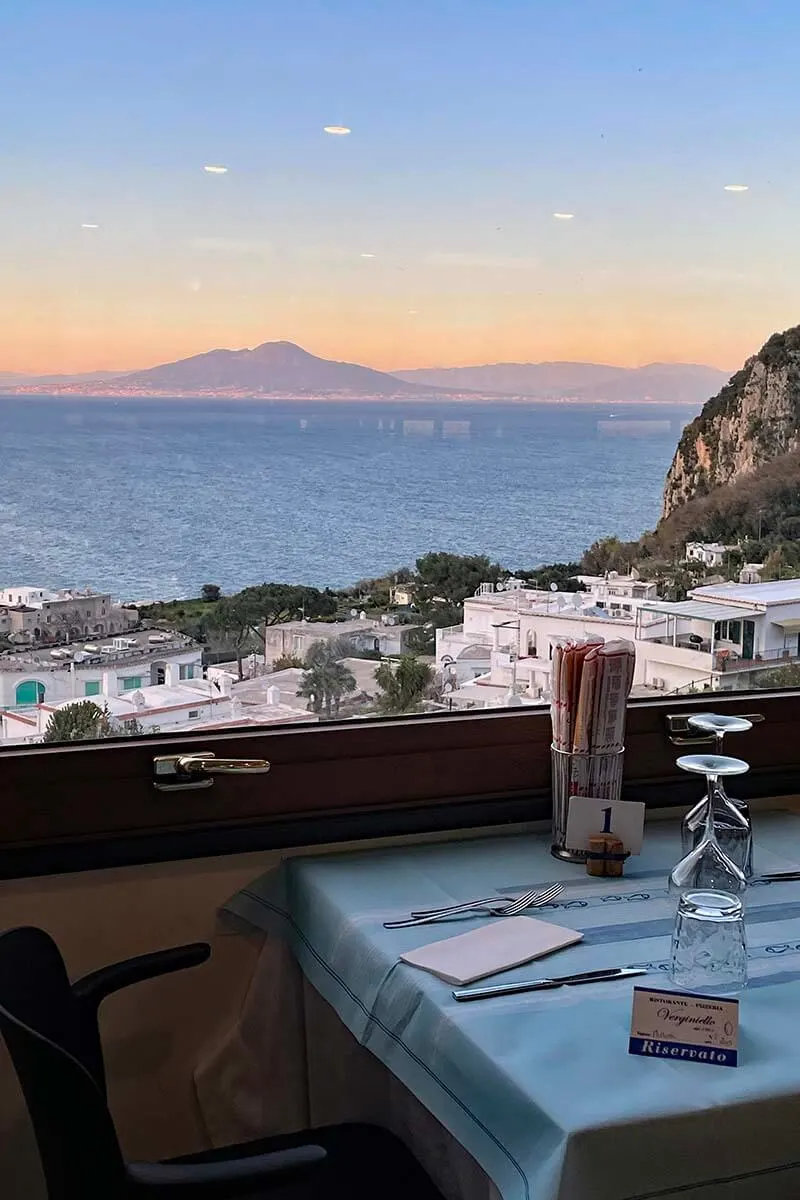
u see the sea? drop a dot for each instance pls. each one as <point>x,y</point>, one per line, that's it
<point>151,498</point>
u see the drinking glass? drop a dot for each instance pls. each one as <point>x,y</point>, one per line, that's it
<point>710,866</point>
<point>709,947</point>
<point>694,821</point>
<point>731,820</point>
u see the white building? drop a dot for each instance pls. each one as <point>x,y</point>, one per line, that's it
<point>124,664</point>
<point>718,639</point>
<point>282,686</point>
<point>156,708</point>
<point>710,554</point>
<point>296,638</point>
<point>751,573</point>
<point>729,632</point>
<point>525,623</point>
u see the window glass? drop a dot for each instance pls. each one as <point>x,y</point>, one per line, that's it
<point>360,352</point>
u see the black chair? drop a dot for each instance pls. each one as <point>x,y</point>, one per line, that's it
<point>51,1030</point>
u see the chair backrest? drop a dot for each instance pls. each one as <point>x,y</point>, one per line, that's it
<point>44,1028</point>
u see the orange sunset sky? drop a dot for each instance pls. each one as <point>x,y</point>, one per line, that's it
<point>425,236</point>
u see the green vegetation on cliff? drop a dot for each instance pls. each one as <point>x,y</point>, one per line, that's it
<point>754,419</point>
<point>759,514</point>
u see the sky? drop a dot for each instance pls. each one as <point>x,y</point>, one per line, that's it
<point>426,236</point>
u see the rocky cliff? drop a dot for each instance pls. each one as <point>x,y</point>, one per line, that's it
<point>754,419</point>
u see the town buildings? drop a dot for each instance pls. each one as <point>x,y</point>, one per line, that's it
<point>295,638</point>
<point>719,639</point>
<point>142,659</point>
<point>35,615</point>
<point>153,708</point>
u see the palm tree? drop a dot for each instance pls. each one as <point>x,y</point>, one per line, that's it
<point>83,721</point>
<point>403,685</point>
<point>326,679</point>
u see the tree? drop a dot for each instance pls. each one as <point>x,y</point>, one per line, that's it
<point>243,617</point>
<point>422,639</point>
<point>780,677</point>
<point>79,722</point>
<point>69,623</point>
<point>609,554</point>
<point>453,577</point>
<point>86,721</point>
<point>235,619</point>
<point>563,575</point>
<point>210,592</point>
<point>284,661</point>
<point>326,679</point>
<point>403,684</point>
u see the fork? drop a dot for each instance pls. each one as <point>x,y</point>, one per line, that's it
<point>490,907</point>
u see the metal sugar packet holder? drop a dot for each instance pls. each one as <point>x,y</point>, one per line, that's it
<point>591,683</point>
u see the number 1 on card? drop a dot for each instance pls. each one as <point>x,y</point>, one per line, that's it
<point>588,815</point>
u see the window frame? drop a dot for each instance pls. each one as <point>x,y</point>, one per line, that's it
<point>80,806</point>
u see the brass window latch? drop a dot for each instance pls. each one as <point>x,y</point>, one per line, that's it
<point>180,772</point>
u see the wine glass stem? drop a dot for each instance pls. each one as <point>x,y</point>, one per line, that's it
<point>711,783</point>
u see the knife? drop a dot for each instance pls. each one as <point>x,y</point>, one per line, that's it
<point>779,876</point>
<point>540,985</point>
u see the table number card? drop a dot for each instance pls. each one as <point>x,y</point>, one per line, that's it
<point>684,1026</point>
<point>588,815</point>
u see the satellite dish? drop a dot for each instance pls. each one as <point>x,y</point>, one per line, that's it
<point>354,613</point>
<point>553,587</point>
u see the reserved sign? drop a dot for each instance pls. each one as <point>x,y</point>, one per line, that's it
<point>683,1025</point>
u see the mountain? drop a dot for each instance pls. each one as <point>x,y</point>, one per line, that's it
<point>676,382</point>
<point>760,507</point>
<point>753,420</point>
<point>282,368</point>
<point>272,367</point>
<point>20,379</point>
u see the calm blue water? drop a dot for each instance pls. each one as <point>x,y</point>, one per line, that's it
<point>152,498</point>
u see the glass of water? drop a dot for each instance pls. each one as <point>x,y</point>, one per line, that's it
<point>709,947</point>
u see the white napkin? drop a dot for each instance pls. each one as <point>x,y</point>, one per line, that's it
<point>497,946</point>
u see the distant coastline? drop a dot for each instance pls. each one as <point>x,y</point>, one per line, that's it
<point>282,372</point>
<point>495,398</point>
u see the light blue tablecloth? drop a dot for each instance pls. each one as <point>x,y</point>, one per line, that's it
<point>539,1088</point>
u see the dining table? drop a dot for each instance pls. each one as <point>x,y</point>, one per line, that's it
<point>538,1088</point>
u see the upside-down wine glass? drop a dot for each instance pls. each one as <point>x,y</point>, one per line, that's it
<point>730,811</point>
<point>713,864</point>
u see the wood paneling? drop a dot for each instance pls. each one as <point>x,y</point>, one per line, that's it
<point>81,793</point>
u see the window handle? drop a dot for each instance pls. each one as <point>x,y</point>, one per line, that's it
<point>176,772</point>
<point>680,732</point>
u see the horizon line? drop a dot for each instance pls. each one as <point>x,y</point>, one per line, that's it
<point>509,362</point>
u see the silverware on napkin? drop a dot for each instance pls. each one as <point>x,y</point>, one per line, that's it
<point>540,985</point>
<point>501,906</point>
